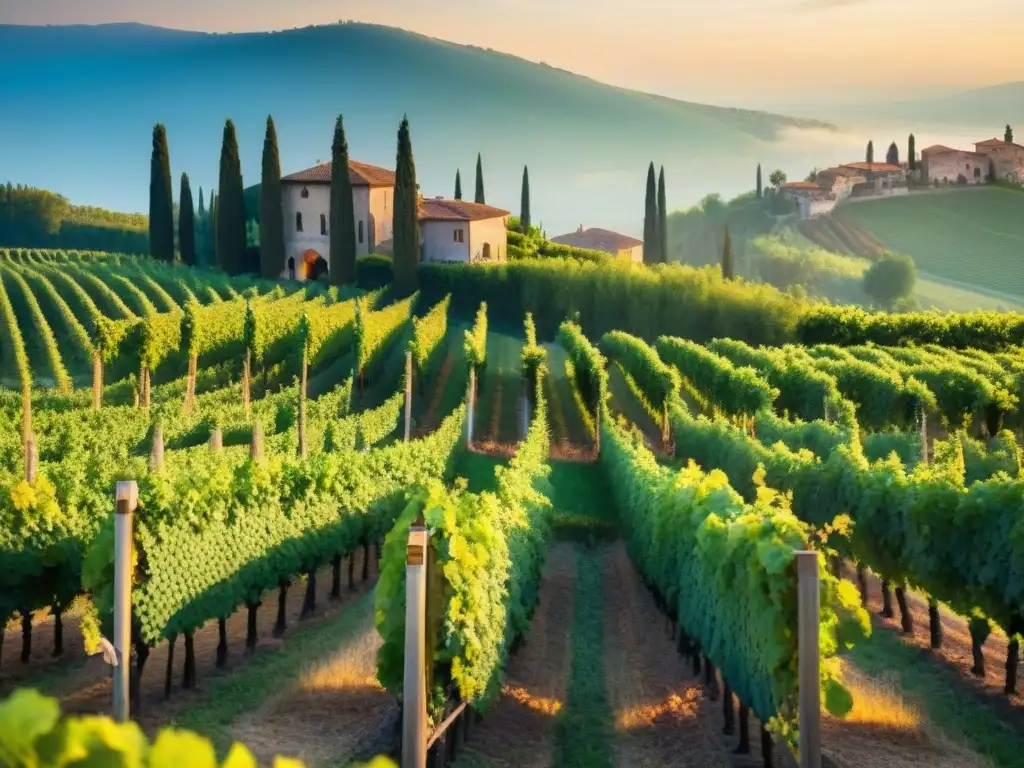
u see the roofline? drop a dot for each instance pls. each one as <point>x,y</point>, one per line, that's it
<point>361,183</point>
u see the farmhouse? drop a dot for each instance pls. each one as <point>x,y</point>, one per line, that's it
<point>946,165</point>
<point>1007,158</point>
<point>795,190</point>
<point>457,231</point>
<point>840,181</point>
<point>307,207</point>
<point>596,239</point>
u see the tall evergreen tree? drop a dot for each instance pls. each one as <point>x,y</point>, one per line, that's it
<point>524,215</point>
<point>662,219</point>
<point>728,268</point>
<point>186,223</point>
<point>458,185</point>
<point>343,217</point>
<point>1008,134</point>
<point>871,152</point>
<point>760,187</point>
<point>161,202</point>
<point>651,255</point>
<point>892,157</point>
<point>912,153</point>
<point>230,236</point>
<point>479,197</point>
<point>201,211</point>
<point>213,228</point>
<point>271,207</point>
<point>406,226</point>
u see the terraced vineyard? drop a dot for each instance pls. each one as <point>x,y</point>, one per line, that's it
<point>617,572</point>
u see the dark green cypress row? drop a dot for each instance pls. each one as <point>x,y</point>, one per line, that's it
<point>728,267</point>
<point>479,180</point>
<point>213,229</point>
<point>201,211</point>
<point>662,219</point>
<point>230,236</point>
<point>651,219</point>
<point>458,185</point>
<point>271,208</point>
<point>760,188</point>
<point>161,204</point>
<point>406,216</point>
<point>524,215</point>
<point>186,223</point>
<point>871,152</point>
<point>912,153</point>
<point>343,221</point>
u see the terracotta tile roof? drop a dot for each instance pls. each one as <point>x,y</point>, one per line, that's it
<point>441,209</point>
<point>938,149</point>
<point>874,167</point>
<point>359,174</point>
<point>801,185</point>
<point>596,239</point>
<point>997,143</point>
<point>838,171</point>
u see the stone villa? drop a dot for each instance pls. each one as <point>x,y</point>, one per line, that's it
<point>946,165</point>
<point>596,239</point>
<point>450,230</point>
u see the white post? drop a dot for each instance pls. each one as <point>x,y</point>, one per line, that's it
<point>809,660</point>
<point>472,406</point>
<point>408,394</point>
<point>414,687</point>
<point>127,499</point>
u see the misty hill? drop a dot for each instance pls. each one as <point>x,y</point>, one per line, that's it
<point>994,105</point>
<point>84,100</point>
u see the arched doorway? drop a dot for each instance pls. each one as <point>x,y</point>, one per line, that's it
<point>313,265</point>
<point>291,267</point>
<point>487,251</point>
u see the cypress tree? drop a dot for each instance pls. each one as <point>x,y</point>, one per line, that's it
<point>662,219</point>
<point>343,217</point>
<point>893,155</point>
<point>406,216</point>
<point>271,208</point>
<point>871,152</point>
<point>213,229</point>
<point>479,180</point>
<point>186,223</point>
<point>161,205</point>
<point>911,153</point>
<point>728,269</point>
<point>458,185</point>
<point>651,220</point>
<point>524,215</point>
<point>1008,134</point>
<point>201,211</point>
<point>230,237</point>
<point>760,188</point>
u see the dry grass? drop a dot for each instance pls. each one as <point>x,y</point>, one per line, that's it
<point>885,729</point>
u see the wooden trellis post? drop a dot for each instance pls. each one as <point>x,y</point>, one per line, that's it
<point>127,496</point>
<point>471,403</point>
<point>810,662</point>
<point>408,394</point>
<point>414,687</point>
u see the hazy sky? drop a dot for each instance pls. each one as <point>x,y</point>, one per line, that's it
<point>723,51</point>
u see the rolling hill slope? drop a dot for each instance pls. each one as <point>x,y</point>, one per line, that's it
<point>89,96</point>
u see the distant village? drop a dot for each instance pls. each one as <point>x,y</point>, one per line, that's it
<point>936,166</point>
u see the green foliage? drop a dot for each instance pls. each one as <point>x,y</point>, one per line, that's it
<point>533,355</point>
<point>890,278</point>
<point>588,367</point>
<point>13,358</point>
<point>270,209</point>
<point>714,380</point>
<point>728,570</point>
<point>161,200</point>
<point>475,345</point>
<point>230,211</point>
<point>428,334</point>
<point>658,382</point>
<point>342,216</point>
<point>373,271</point>
<point>375,328</point>
<point>35,735</point>
<point>487,558</point>
<point>406,236</point>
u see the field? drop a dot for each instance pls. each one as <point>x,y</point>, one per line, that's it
<point>612,593</point>
<point>971,236</point>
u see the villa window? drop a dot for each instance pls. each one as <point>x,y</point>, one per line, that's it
<point>298,222</point>
<point>360,233</point>
<point>323,224</point>
<point>459,236</point>
<point>305,193</point>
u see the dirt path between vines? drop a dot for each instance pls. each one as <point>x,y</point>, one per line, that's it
<point>86,689</point>
<point>520,730</point>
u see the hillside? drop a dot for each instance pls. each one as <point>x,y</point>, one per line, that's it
<point>94,93</point>
<point>973,236</point>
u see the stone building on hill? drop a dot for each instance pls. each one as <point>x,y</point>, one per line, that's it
<point>595,239</point>
<point>946,165</point>
<point>458,231</point>
<point>1007,158</point>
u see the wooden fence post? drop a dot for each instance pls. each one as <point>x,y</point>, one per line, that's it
<point>31,461</point>
<point>408,393</point>
<point>809,660</point>
<point>414,687</point>
<point>922,426</point>
<point>471,397</point>
<point>127,496</point>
